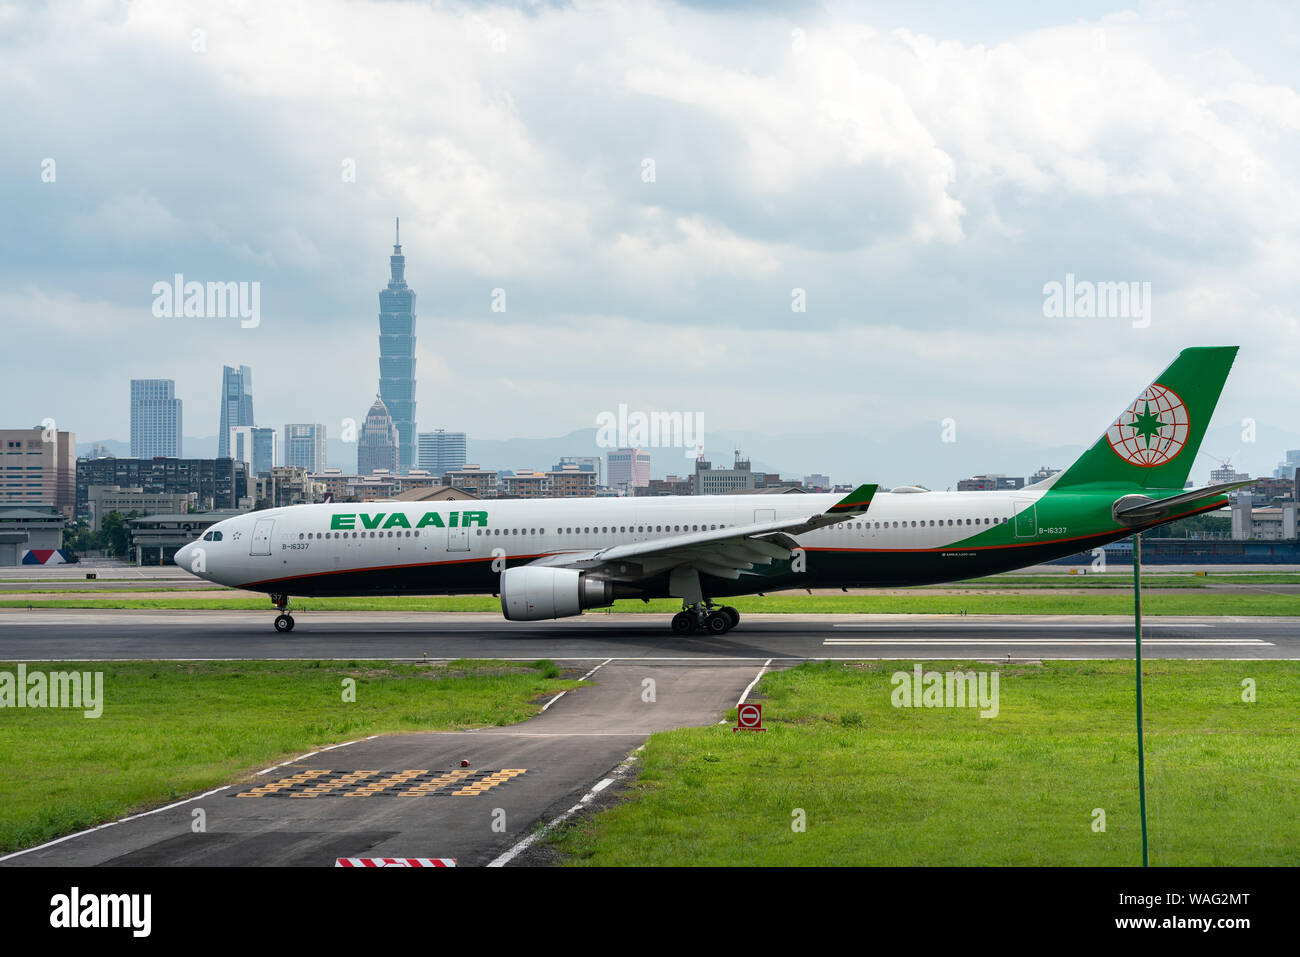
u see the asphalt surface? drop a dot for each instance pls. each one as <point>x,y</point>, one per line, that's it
<point>86,634</point>
<point>410,796</point>
<point>421,802</point>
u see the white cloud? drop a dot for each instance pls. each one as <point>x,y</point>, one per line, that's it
<point>920,186</point>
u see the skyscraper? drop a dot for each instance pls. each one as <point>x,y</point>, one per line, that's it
<point>379,444</point>
<point>442,451</point>
<point>397,355</point>
<point>240,443</point>
<point>155,419</point>
<point>236,404</point>
<point>263,451</point>
<point>304,446</point>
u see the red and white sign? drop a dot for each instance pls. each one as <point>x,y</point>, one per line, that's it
<point>394,862</point>
<point>749,717</point>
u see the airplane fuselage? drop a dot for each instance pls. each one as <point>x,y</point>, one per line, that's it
<point>461,547</point>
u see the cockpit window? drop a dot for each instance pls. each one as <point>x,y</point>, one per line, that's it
<point>216,536</point>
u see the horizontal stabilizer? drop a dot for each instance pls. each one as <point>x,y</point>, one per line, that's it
<point>1141,509</point>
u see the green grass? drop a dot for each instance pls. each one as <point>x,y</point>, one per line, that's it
<point>170,729</point>
<point>1120,576</point>
<point>894,786</point>
<point>920,603</point>
<point>47,589</point>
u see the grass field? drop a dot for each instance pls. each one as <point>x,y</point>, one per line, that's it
<point>170,729</point>
<point>896,786</point>
<point>1117,603</point>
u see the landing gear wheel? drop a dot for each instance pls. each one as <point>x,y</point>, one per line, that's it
<point>718,623</point>
<point>683,623</point>
<point>732,614</point>
<point>283,623</point>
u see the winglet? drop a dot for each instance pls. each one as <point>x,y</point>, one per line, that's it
<point>857,501</point>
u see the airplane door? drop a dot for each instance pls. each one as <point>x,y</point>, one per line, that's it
<point>261,543</point>
<point>457,540</point>
<point>1026,519</point>
<point>764,515</point>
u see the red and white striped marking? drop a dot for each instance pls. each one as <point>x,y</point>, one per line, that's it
<point>394,862</point>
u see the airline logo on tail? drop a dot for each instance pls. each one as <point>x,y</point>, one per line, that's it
<point>1151,431</point>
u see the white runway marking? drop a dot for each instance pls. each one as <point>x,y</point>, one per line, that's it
<point>1001,625</point>
<point>586,799</point>
<point>745,694</point>
<point>1053,642</point>
<point>583,678</point>
<point>100,827</point>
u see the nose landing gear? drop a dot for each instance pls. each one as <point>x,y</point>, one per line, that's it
<point>284,620</point>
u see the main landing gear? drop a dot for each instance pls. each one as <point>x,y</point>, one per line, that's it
<point>284,620</point>
<point>705,616</point>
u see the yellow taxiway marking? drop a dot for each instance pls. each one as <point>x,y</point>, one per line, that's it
<point>415,782</point>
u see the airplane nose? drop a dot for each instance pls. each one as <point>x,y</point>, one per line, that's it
<point>182,556</point>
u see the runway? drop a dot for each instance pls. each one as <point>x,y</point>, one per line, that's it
<point>81,635</point>
<point>407,795</point>
<point>477,796</point>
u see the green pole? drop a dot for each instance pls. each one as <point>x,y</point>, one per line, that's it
<point>1137,636</point>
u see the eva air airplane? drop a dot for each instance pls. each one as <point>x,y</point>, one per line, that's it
<point>552,558</point>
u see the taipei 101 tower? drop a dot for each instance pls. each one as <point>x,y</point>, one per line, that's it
<point>397,355</point>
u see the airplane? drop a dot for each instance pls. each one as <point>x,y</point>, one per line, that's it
<point>555,558</point>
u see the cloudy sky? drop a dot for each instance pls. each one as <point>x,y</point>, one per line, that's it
<point>650,183</point>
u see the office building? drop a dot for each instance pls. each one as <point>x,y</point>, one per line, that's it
<point>573,480</point>
<point>263,451</point>
<point>628,469</point>
<point>378,447</point>
<point>155,419</point>
<point>482,482</point>
<point>994,482</point>
<point>442,451</point>
<point>104,499</point>
<point>284,485</point>
<point>586,462</point>
<point>304,446</point>
<point>525,483</point>
<point>672,485</point>
<point>240,444</point>
<point>1276,523</point>
<point>34,471</point>
<point>1287,468</point>
<point>711,481</point>
<point>397,356</point>
<point>212,483</point>
<point>236,405</point>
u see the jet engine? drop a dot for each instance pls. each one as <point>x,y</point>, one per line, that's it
<point>530,593</point>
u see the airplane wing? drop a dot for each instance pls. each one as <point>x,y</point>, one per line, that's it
<point>1140,509</point>
<point>723,552</point>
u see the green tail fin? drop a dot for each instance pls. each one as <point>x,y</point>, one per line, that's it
<point>1154,441</point>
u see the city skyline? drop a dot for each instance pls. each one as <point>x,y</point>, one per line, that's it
<point>669,213</point>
